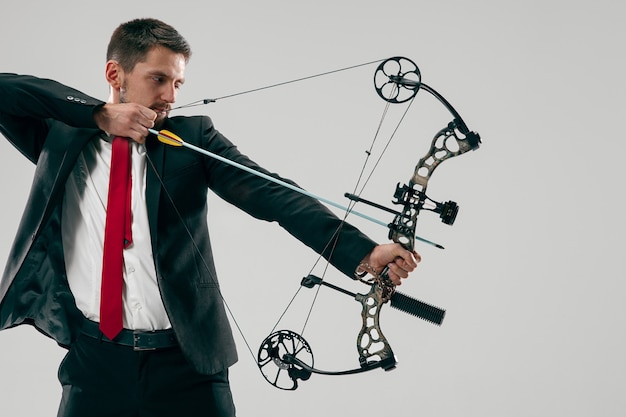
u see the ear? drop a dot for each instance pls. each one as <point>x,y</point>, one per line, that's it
<point>114,74</point>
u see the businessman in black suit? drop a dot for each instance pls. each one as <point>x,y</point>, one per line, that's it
<point>172,356</point>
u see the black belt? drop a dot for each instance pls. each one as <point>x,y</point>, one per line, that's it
<point>138,340</point>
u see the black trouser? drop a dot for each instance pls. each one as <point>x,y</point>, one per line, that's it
<point>101,379</point>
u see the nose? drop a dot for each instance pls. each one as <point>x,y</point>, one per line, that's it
<point>169,93</point>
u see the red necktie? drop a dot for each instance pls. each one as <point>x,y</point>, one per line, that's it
<point>117,236</point>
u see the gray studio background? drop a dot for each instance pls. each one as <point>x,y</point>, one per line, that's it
<point>532,277</point>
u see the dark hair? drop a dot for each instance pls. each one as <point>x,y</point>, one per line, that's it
<point>131,41</point>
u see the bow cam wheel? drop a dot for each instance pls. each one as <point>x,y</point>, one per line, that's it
<point>397,79</point>
<point>274,361</point>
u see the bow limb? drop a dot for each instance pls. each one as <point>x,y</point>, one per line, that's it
<point>285,357</point>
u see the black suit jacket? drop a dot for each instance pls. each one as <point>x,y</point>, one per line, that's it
<point>50,124</point>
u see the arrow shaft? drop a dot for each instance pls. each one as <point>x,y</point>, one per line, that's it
<point>286,185</point>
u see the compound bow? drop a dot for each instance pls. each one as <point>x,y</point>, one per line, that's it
<point>285,356</point>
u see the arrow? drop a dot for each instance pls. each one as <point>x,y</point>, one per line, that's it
<point>169,138</point>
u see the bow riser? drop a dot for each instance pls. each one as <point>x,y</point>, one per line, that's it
<point>447,143</point>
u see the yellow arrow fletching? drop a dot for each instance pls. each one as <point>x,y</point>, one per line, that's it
<point>169,138</point>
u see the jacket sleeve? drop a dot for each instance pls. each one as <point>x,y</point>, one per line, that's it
<point>303,217</point>
<point>28,104</point>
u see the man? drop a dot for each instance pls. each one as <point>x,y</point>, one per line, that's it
<point>172,355</point>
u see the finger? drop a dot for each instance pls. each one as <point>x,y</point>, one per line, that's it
<point>404,265</point>
<point>397,270</point>
<point>138,133</point>
<point>395,278</point>
<point>408,256</point>
<point>150,118</point>
<point>149,114</point>
<point>145,121</point>
<point>406,260</point>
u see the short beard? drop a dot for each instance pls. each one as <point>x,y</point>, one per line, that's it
<point>157,123</point>
<point>123,93</point>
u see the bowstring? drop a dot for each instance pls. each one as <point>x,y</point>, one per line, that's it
<point>351,204</point>
<point>213,100</point>
<point>333,240</point>
<point>200,254</point>
<point>384,150</point>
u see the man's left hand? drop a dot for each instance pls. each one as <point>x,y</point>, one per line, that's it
<point>399,260</point>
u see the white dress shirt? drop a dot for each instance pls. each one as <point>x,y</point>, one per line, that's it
<point>83,221</point>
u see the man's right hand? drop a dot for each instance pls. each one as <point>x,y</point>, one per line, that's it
<point>128,120</point>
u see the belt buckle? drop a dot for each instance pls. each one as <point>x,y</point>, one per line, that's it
<point>137,345</point>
